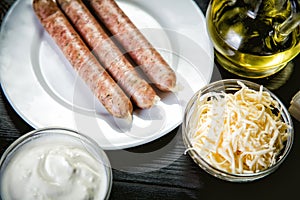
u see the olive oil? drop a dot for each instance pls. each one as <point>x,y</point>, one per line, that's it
<point>245,37</point>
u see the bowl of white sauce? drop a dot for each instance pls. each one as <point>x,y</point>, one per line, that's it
<point>55,163</point>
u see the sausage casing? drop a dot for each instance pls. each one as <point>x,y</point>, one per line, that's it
<point>108,53</point>
<point>135,43</point>
<point>78,54</point>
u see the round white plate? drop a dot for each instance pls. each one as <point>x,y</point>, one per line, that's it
<point>45,91</point>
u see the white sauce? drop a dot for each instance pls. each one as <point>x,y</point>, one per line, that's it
<point>52,168</point>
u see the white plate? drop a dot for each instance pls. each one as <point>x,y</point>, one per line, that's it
<point>44,90</point>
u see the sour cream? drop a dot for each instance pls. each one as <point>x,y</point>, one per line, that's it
<point>54,167</point>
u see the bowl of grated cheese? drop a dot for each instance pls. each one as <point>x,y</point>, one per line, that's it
<point>237,130</point>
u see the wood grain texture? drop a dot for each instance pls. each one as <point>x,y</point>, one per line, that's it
<point>11,125</point>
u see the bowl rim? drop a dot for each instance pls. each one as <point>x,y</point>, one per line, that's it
<point>55,130</point>
<point>236,177</point>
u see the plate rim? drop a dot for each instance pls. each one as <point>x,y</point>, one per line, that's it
<point>133,143</point>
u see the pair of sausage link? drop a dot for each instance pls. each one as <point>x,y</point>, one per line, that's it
<point>135,43</point>
<point>108,53</point>
<point>78,54</point>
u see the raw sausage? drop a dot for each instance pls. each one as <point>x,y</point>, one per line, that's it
<point>135,43</point>
<point>108,53</point>
<point>80,57</point>
<point>102,85</point>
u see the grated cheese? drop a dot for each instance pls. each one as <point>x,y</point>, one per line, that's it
<point>238,133</point>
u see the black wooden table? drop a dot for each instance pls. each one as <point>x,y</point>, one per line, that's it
<point>169,174</point>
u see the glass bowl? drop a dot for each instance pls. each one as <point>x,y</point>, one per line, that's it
<point>223,150</point>
<point>54,163</point>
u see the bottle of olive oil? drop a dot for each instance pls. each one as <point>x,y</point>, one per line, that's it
<point>254,38</point>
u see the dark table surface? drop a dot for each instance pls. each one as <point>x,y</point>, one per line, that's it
<point>170,174</point>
